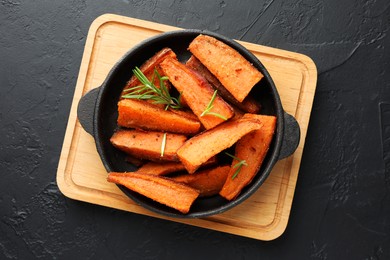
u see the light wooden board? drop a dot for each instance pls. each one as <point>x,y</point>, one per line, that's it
<point>81,174</point>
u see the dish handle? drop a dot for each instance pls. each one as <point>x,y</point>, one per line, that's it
<point>291,138</point>
<point>86,110</point>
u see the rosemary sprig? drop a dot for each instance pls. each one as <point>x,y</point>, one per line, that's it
<point>147,90</point>
<point>237,165</point>
<point>210,106</point>
<point>163,143</point>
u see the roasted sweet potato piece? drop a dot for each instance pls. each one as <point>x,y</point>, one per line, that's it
<point>208,182</point>
<point>164,168</point>
<point>197,92</point>
<point>148,69</point>
<point>187,113</point>
<point>134,161</point>
<point>252,148</point>
<point>249,104</point>
<point>148,145</point>
<point>141,114</point>
<point>203,146</point>
<point>231,68</point>
<point>165,191</point>
<point>160,168</point>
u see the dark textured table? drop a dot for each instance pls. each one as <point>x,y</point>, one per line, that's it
<point>341,208</point>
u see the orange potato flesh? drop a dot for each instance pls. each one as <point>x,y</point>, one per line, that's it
<point>252,148</point>
<point>141,114</point>
<point>165,168</point>
<point>158,168</point>
<point>249,104</point>
<point>208,182</point>
<point>147,145</point>
<point>203,146</point>
<point>235,73</point>
<point>187,113</point>
<point>197,92</point>
<point>165,191</point>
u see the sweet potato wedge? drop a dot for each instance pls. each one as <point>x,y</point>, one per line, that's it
<point>165,168</point>
<point>203,146</point>
<point>141,114</point>
<point>197,92</point>
<point>148,68</point>
<point>208,182</point>
<point>148,145</point>
<point>187,113</point>
<point>134,161</point>
<point>252,147</point>
<point>231,68</point>
<point>249,104</point>
<point>165,191</point>
<point>160,169</point>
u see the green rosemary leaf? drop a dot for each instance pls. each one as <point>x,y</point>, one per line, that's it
<point>141,77</point>
<point>238,165</point>
<point>163,143</point>
<point>133,96</point>
<point>217,115</point>
<point>147,90</point>
<point>210,106</point>
<point>134,88</point>
<point>236,172</point>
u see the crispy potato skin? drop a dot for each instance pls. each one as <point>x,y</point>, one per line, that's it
<point>198,149</point>
<point>197,92</point>
<point>249,104</point>
<point>141,114</point>
<point>235,73</point>
<point>165,191</point>
<point>208,182</point>
<point>147,145</point>
<point>253,148</point>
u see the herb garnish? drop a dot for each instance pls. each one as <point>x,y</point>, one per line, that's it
<point>163,143</point>
<point>210,106</point>
<point>237,165</point>
<point>147,90</point>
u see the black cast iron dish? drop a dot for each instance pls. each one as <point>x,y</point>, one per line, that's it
<point>97,112</point>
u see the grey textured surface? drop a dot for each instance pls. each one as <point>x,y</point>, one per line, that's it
<point>341,208</point>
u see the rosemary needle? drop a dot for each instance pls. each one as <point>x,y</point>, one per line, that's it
<point>147,90</point>
<point>210,106</point>
<point>237,165</point>
<point>163,143</point>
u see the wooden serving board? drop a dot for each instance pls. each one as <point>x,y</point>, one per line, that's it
<point>81,174</point>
